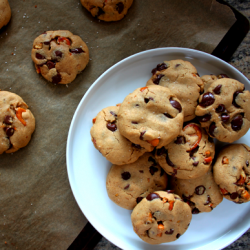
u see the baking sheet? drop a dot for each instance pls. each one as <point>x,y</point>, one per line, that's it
<point>37,207</point>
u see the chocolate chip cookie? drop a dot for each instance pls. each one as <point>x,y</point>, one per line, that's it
<point>128,184</point>
<point>202,194</point>
<point>107,10</point>
<point>189,155</point>
<point>232,172</point>
<point>224,110</point>
<point>59,56</point>
<point>151,117</point>
<point>209,79</point>
<point>182,79</point>
<point>161,217</point>
<point>107,139</point>
<point>5,13</point>
<point>17,123</point>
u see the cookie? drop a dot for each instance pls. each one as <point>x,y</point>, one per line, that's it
<point>182,79</point>
<point>17,123</point>
<point>151,117</point>
<point>59,56</point>
<point>189,155</point>
<point>209,79</point>
<point>224,110</point>
<point>5,13</point>
<point>107,139</point>
<point>202,194</point>
<point>232,172</point>
<point>107,10</point>
<point>161,217</point>
<point>129,184</point>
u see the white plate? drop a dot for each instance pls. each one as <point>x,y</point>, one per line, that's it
<point>87,168</point>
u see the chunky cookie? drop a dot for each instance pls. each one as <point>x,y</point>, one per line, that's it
<point>182,79</point>
<point>224,110</point>
<point>202,194</point>
<point>107,10</point>
<point>129,184</point>
<point>189,155</point>
<point>59,56</point>
<point>161,217</point>
<point>5,13</point>
<point>232,172</point>
<point>107,139</point>
<point>17,123</point>
<point>151,117</point>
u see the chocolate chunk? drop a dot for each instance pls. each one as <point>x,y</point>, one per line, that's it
<point>39,56</point>
<point>200,190</point>
<point>100,12</point>
<point>50,64</point>
<point>162,172</point>
<point>195,211</point>
<point>141,171</point>
<point>171,231</point>
<point>127,186</point>
<point>161,66</point>
<point>9,131</point>
<point>176,105</point>
<point>195,164</point>
<point>180,140</point>
<point>247,163</point>
<point>207,100</point>
<point>170,163</point>
<point>237,122</point>
<point>161,151</point>
<point>136,146</point>
<point>8,120</point>
<point>152,196</point>
<point>208,200</point>
<point>57,78</point>
<point>222,76</point>
<point>76,51</point>
<point>170,191</point>
<point>113,113</point>
<point>150,158</point>
<point>225,118</point>
<point>168,115</point>
<point>134,122</point>
<point>217,89</point>
<point>141,135</point>
<point>139,199</point>
<point>204,118</point>
<point>221,108</point>
<point>234,195</point>
<point>112,127</point>
<point>234,97</point>
<point>58,53</point>
<point>157,79</point>
<point>152,170</point>
<point>178,236</point>
<point>120,7</point>
<point>126,175</point>
<point>211,129</point>
<point>47,43</point>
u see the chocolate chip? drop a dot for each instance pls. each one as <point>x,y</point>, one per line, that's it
<point>200,190</point>
<point>9,131</point>
<point>225,118</point>
<point>170,191</point>
<point>168,115</point>
<point>178,236</point>
<point>50,64</point>
<point>76,51</point>
<point>161,151</point>
<point>112,126</point>
<point>161,66</point>
<point>237,122</point>
<point>207,100</point>
<point>152,170</point>
<point>100,12</point>
<point>141,135</point>
<point>177,65</point>
<point>175,172</point>
<point>57,78</point>
<point>154,71</point>
<point>47,43</point>
<point>180,140</point>
<point>120,7</point>
<point>222,76</point>
<point>162,172</point>
<point>234,195</point>
<point>58,53</point>
<point>176,105</point>
<point>127,186</point>
<point>157,79</point>
<point>195,163</point>
<point>139,199</point>
<point>141,171</point>
<point>113,113</point>
<point>170,163</point>
<point>193,151</point>
<point>126,175</point>
<point>211,129</point>
<point>234,97</point>
<point>134,122</point>
<point>208,200</point>
<point>171,231</point>
<point>39,56</point>
<point>195,211</point>
<point>221,108</point>
<point>136,146</point>
<point>146,100</point>
<point>204,118</point>
<point>8,120</point>
<point>247,163</point>
<point>217,89</point>
<point>152,196</point>
<point>150,158</point>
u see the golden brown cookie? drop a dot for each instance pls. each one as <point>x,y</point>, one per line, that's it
<point>17,123</point>
<point>5,13</point>
<point>232,172</point>
<point>182,79</point>
<point>107,10</point>
<point>59,56</point>
<point>128,184</point>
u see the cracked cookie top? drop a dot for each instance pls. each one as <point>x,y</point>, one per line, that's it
<point>151,117</point>
<point>5,13</point>
<point>224,110</point>
<point>232,172</point>
<point>189,155</point>
<point>17,123</point>
<point>107,10</point>
<point>128,184</point>
<point>182,79</point>
<point>59,56</point>
<point>161,217</point>
<point>106,138</point>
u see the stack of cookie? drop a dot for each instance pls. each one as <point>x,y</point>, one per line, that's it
<point>160,142</point>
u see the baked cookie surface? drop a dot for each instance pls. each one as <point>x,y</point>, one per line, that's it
<point>59,56</point>
<point>189,155</point>
<point>224,110</point>
<point>5,13</point>
<point>232,172</point>
<point>161,217</point>
<point>202,194</point>
<point>150,116</point>
<point>107,139</point>
<point>17,123</point>
<point>129,184</point>
<point>182,79</point>
<point>107,10</point>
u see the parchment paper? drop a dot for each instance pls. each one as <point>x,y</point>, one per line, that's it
<point>37,207</point>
